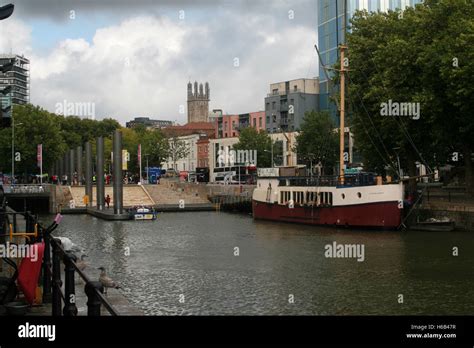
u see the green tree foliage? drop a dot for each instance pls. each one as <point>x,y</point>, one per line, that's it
<point>318,141</point>
<point>251,139</point>
<point>156,146</point>
<point>409,57</point>
<point>34,126</point>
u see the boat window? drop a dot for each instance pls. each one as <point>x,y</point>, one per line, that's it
<point>359,194</point>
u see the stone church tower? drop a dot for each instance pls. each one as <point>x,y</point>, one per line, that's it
<point>198,103</point>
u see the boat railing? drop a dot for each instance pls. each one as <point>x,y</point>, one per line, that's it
<point>351,180</point>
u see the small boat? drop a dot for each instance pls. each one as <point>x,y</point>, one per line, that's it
<point>434,225</point>
<point>143,213</point>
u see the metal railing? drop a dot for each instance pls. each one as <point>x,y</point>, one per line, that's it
<point>63,302</point>
<point>349,180</point>
<point>52,282</point>
<point>27,188</point>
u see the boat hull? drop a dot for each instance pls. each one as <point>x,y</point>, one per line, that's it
<point>385,215</point>
<point>144,216</point>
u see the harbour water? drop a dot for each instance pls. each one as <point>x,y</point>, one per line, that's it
<point>216,263</point>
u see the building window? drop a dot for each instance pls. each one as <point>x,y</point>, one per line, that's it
<point>260,122</point>
<point>275,91</point>
<point>254,123</point>
<point>267,106</point>
<point>295,88</point>
<point>273,105</point>
<point>233,134</point>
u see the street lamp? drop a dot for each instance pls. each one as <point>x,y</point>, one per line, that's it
<point>147,169</point>
<point>13,148</point>
<point>6,11</point>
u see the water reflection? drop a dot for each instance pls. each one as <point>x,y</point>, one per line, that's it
<point>192,254</point>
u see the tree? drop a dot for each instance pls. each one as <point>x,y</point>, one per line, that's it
<point>156,146</point>
<point>177,149</point>
<point>318,141</point>
<point>408,57</point>
<point>448,76</point>
<point>37,127</point>
<point>253,140</point>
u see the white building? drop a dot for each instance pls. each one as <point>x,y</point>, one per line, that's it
<point>288,140</point>
<point>188,162</point>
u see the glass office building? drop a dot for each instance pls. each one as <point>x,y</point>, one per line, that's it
<point>333,22</point>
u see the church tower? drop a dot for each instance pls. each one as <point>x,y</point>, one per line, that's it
<point>198,102</point>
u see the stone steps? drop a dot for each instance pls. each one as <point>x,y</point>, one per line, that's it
<point>162,194</point>
<point>132,195</point>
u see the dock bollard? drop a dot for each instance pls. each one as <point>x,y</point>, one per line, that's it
<point>93,300</point>
<point>70,308</point>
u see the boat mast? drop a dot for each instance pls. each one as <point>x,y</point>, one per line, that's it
<point>342,114</point>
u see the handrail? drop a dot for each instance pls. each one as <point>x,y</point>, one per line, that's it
<point>86,279</point>
<point>23,234</point>
<point>52,283</point>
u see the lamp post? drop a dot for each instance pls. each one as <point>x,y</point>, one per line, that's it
<point>13,148</point>
<point>6,11</point>
<point>147,169</point>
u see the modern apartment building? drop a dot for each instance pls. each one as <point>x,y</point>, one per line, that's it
<point>14,79</point>
<point>287,103</point>
<point>228,126</point>
<point>333,24</point>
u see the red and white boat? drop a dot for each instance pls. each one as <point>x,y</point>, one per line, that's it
<point>359,200</point>
<point>304,200</point>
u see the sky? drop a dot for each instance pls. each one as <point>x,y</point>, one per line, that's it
<point>134,58</point>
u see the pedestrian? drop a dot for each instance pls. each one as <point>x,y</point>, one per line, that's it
<point>107,200</point>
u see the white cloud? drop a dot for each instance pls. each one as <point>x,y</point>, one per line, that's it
<point>140,67</point>
<point>15,37</point>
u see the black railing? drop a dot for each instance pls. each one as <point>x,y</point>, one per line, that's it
<point>52,282</point>
<point>349,180</point>
<point>54,257</point>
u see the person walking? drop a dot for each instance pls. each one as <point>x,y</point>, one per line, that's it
<point>107,201</point>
